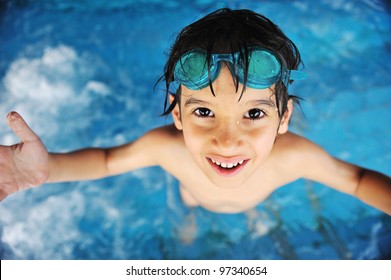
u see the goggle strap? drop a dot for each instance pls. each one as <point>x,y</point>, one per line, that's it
<point>297,75</point>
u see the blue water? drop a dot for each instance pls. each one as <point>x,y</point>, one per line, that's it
<point>83,74</point>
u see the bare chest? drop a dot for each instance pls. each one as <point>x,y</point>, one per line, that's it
<point>198,190</point>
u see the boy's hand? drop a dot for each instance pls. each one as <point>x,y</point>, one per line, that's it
<point>22,165</point>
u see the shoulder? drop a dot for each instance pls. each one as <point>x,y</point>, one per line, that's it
<point>293,154</point>
<point>164,135</point>
<point>301,154</point>
<point>150,149</point>
<point>163,142</point>
<point>295,147</point>
<point>310,161</point>
<point>167,131</point>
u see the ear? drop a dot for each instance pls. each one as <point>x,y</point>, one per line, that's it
<point>284,123</point>
<point>176,114</point>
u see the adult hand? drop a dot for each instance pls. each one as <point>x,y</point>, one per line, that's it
<point>23,165</point>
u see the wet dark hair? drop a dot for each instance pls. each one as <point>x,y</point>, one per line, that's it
<point>229,31</point>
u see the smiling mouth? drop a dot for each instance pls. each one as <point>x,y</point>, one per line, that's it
<point>227,169</point>
<point>227,165</point>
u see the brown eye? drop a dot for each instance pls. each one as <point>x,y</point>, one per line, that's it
<point>254,114</point>
<point>203,112</point>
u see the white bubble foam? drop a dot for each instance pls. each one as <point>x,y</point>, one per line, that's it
<point>44,78</point>
<point>97,88</point>
<point>27,233</point>
<point>50,89</point>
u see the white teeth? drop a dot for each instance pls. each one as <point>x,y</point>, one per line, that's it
<point>227,165</point>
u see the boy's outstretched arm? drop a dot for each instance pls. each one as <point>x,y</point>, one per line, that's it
<point>371,187</point>
<point>96,163</point>
<point>374,188</point>
<point>29,164</point>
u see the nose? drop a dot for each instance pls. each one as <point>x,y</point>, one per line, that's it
<point>227,137</point>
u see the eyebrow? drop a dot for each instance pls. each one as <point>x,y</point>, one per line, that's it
<point>192,101</point>
<point>259,102</point>
<point>256,102</point>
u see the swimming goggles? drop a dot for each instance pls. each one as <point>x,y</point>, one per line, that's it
<point>264,69</point>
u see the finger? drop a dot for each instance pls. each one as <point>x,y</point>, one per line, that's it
<point>20,127</point>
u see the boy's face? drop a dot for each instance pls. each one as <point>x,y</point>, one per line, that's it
<point>227,138</point>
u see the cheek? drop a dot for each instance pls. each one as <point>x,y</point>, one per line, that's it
<point>262,141</point>
<point>194,139</point>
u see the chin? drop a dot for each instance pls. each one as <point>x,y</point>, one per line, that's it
<point>227,183</point>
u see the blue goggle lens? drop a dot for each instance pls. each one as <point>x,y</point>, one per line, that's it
<point>192,70</point>
<point>263,70</point>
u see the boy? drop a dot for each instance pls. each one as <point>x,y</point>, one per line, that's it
<point>229,145</point>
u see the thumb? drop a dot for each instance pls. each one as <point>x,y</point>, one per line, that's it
<point>20,127</point>
<point>3,195</point>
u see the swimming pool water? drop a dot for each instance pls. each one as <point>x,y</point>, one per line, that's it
<point>82,74</point>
